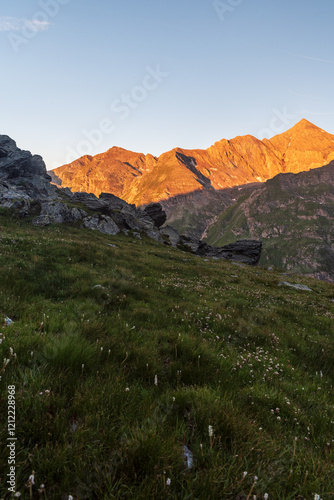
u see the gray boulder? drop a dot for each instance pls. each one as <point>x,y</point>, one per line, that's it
<point>171,235</point>
<point>102,223</point>
<point>245,251</point>
<point>113,202</point>
<point>24,171</point>
<point>189,244</point>
<point>129,218</point>
<point>154,234</point>
<point>12,197</point>
<point>91,201</point>
<point>157,214</point>
<point>55,212</point>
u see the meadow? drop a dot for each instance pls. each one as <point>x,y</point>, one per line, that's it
<point>144,372</point>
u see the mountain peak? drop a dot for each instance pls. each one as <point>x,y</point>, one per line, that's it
<point>301,126</point>
<point>300,132</point>
<point>304,123</point>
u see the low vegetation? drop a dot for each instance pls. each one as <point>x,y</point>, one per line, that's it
<point>295,224</point>
<point>144,372</point>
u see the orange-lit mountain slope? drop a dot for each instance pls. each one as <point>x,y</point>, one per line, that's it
<point>141,179</point>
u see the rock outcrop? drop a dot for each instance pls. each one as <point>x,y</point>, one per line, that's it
<point>245,251</point>
<point>23,177</point>
<point>112,211</point>
<point>56,212</point>
<point>102,223</point>
<point>23,171</point>
<point>156,212</point>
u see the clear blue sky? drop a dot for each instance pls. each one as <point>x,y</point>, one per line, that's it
<point>225,68</point>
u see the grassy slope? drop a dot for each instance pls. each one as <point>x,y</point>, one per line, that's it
<point>293,238</point>
<point>190,214</point>
<point>230,349</point>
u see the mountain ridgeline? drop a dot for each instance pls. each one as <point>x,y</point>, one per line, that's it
<point>237,188</point>
<point>143,179</point>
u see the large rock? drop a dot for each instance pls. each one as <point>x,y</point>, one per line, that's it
<point>156,212</point>
<point>170,235</point>
<point>13,197</point>
<point>101,223</point>
<point>113,201</point>
<point>246,251</point>
<point>189,244</point>
<point>91,202</point>
<point>23,171</point>
<point>55,212</point>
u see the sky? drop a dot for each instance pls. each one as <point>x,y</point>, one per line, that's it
<point>81,76</point>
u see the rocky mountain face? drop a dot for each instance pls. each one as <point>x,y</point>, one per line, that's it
<point>292,214</point>
<point>117,167</point>
<point>143,179</point>
<point>25,189</point>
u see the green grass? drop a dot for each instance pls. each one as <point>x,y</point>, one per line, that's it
<point>226,345</point>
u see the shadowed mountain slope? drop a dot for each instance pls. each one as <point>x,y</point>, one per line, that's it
<point>293,215</point>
